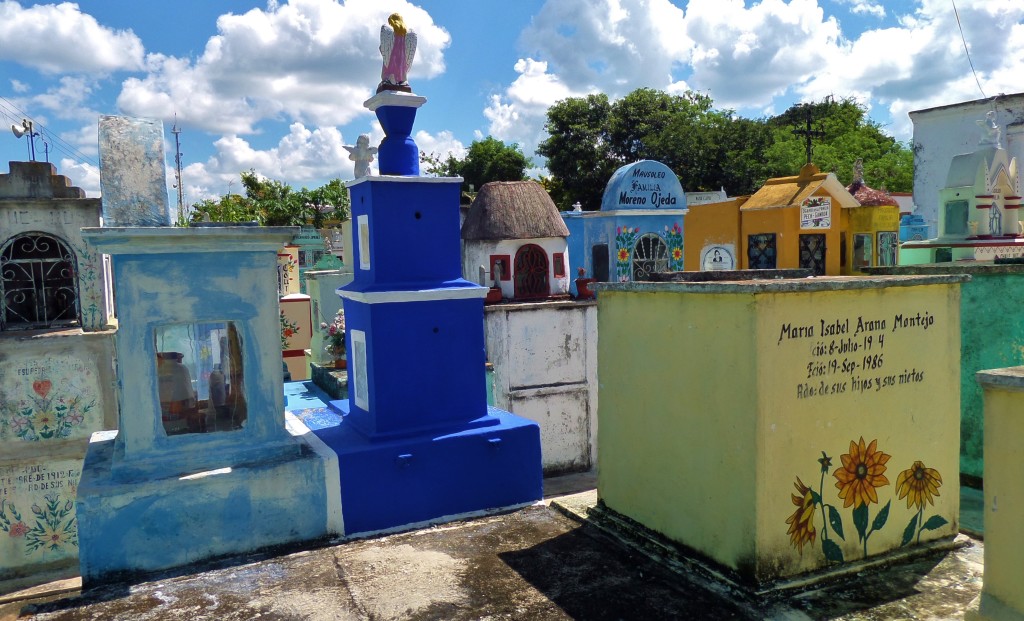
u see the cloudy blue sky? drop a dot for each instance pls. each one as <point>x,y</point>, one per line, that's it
<point>278,86</point>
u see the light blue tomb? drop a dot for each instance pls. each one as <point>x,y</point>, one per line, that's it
<point>201,465</point>
<point>638,230</point>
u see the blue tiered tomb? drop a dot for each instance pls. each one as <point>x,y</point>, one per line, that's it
<point>417,442</point>
<point>202,464</point>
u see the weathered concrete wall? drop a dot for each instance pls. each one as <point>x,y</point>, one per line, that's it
<point>33,198</point>
<point>942,133</point>
<point>545,369</point>
<point>133,179</point>
<point>150,498</point>
<point>56,389</point>
<point>141,525</point>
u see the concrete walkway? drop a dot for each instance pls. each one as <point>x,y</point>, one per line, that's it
<point>536,563</point>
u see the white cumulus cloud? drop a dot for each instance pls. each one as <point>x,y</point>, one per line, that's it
<point>59,38</point>
<point>312,61</point>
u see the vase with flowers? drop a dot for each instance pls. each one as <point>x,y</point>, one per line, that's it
<point>334,339</point>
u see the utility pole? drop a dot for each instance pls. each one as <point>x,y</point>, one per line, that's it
<point>177,169</point>
<point>807,132</point>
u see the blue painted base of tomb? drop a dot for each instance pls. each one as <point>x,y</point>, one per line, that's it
<point>394,483</point>
<point>150,524</point>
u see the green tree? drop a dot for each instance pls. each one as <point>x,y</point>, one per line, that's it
<point>433,164</point>
<point>229,208</point>
<point>639,122</point>
<point>709,149</point>
<point>578,151</point>
<point>486,160</point>
<point>492,160</point>
<point>273,203</point>
<point>328,202</point>
<point>849,135</point>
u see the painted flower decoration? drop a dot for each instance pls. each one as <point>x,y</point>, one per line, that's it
<point>918,485</point>
<point>862,471</point>
<point>623,255</point>
<point>18,529</point>
<point>44,420</point>
<point>20,423</point>
<point>801,523</point>
<point>677,253</point>
<point>53,537</point>
<point>825,461</point>
<point>289,329</point>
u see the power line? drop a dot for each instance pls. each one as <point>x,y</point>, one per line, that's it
<point>58,143</point>
<point>964,39</point>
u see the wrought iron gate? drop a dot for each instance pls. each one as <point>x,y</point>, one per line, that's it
<point>812,253</point>
<point>37,283</point>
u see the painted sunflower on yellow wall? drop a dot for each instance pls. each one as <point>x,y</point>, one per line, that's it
<point>919,485</point>
<point>801,523</point>
<point>862,471</point>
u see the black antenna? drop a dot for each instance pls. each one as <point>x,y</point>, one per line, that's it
<point>807,132</point>
<point>177,168</point>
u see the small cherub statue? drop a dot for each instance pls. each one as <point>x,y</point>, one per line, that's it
<point>990,132</point>
<point>362,154</point>
<point>398,48</point>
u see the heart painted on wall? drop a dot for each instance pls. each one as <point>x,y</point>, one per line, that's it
<point>42,387</point>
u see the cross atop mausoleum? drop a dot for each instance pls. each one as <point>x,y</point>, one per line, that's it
<point>807,132</point>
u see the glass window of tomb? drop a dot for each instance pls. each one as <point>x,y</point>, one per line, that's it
<point>199,376</point>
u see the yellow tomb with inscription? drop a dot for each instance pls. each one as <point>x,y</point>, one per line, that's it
<point>781,427</point>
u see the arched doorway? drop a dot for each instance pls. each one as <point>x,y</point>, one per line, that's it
<point>650,255</point>
<point>531,273</point>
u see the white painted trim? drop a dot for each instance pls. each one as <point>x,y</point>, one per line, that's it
<point>363,236</point>
<point>425,295</point>
<point>444,519</point>
<point>359,376</point>
<point>332,476</point>
<point>628,212</point>
<point>402,179</point>
<point>172,239</point>
<point>394,98</point>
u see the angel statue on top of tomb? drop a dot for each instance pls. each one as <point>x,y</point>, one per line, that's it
<point>990,132</point>
<point>362,154</point>
<point>397,47</point>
